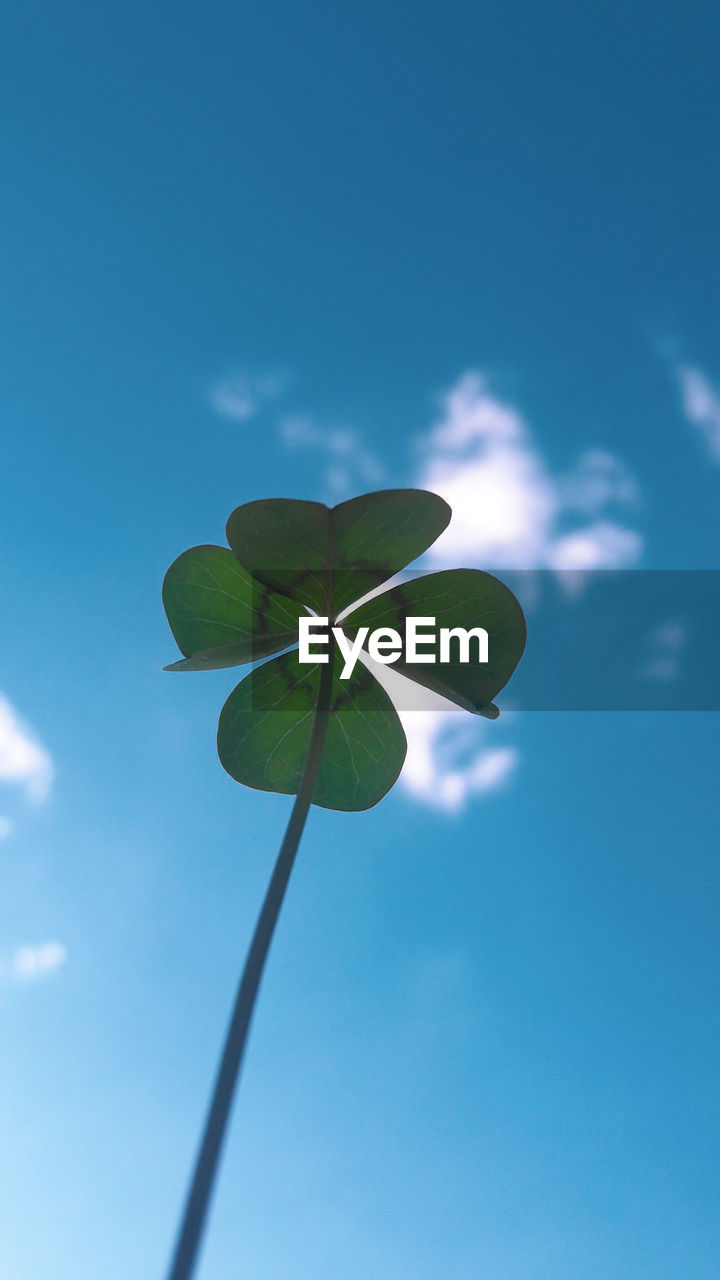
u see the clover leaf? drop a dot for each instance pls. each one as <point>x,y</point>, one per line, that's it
<point>287,558</point>
<point>303,728</point>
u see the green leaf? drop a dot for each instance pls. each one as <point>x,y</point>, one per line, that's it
<point>454,598</point>
<point>220,616</point>
<point>265,727</point>
<point>329,557</point>
<point>227,607</point>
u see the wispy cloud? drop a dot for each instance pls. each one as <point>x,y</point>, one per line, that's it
<point>510,510</point>
<point>449,759</point>
<point>701,405</point>
<point>24,762</point>
<point>666,645</point>
<point>30,962</point>
<point>240,394</point>
<point>5,827</point>
<point>349,463</point>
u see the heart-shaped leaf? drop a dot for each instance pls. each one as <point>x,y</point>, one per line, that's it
<point>265,728</point>
<point>220,616</point>
<point>464,598</point>
<point>329,557</point>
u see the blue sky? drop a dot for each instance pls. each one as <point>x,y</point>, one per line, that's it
<point>283,250</point>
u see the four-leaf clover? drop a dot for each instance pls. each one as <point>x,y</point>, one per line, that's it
<point>286,558</point>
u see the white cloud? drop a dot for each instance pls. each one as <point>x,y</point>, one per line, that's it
<point>666,645</point>
<point>29,963</point>
<point>598,480</point>
<point>5,827</point>
<point>448,759</point>
<point>24,761</point>
<point>701,405</point>
<point>349,463</point>
<point>509,509</point>
<point>240,395</point>
<point>600,545</point>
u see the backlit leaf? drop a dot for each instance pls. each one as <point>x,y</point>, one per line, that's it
<point>265,727</point>
<point>220,616</point>
<point>454,598</point>
<point>329,557</point>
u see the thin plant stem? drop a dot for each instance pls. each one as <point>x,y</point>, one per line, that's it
<point>208,1159</point>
